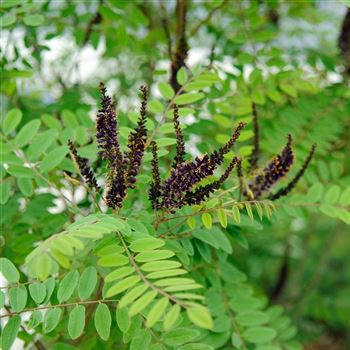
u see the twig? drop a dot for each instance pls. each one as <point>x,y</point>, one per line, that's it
<point>208,18</point>
<point>254,158</point>
<point>179,57</point>
<point>60,305</point>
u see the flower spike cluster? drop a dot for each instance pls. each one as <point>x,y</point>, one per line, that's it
<point>178,189</point>
<point>180,143</point>
<point>203,192</point>
<point>287,189</point>
<point>122,167</point>
<point>274,171</point>
<point>136,143</point>
<point>83,166</point>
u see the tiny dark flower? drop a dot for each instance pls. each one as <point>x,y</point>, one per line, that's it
<point>136,142</point>
<point>180,143</point>
<point>155,192</point>
<point>285,190</point>
<point>275,170</point>
<point>83,166</point>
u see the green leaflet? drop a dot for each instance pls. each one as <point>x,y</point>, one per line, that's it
<point>113,260</point>
<point>236,214</point>
<point>9,270</point>
<point>166,90</point>
<point>200,316</point>
<point>173,282</point>
<point>142,302</point>
<point>27,133</point>
<point>133,294</point>
<point>18,298</point>
<point>196,346</point>
<point>76,321</point>
<point>166,273</point>
<point>41,143</point>
<point>87,283</point>
<point>180,336</point>
<point>188,98</point>
<point>9,332</point>
<point>154,255</point>
<point>2,299</point>
<point>252,318</point>
<point>160,265</point>
<point>141,340</point>
<point>119,273</point>
<point>35,319</point>
<point>53,158</point>
<point>11,121</point>
<point>123,319</point>
<point>222,217</point>
<point>181,76</point>
<point>122,285</point>
<point>144,244</point>
<point>103,321</point>
<point>259,334</point>
<point>51,319</point>
<point>207,220</point>
<point>214,237</point>
<point>67,286</point>
<point>157,311</point>
<point>37,292</point>
<point>171,317</point>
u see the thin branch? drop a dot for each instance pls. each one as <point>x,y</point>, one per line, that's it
<point>96,19</point>
<point>344,41</point>
<point>144,279</point>
<point>179,57</point>
<point>207,19</point>
<point>60,305</point>
<point>166,28</point>
<point>254,158</point>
